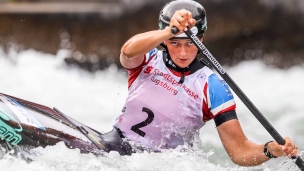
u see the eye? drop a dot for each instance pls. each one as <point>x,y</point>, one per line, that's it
<point>173,43</point>
<point>190,43</point>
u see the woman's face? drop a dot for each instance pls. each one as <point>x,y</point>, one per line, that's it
<point>182,51</point>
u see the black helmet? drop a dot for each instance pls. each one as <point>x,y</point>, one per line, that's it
<point>197,10</point>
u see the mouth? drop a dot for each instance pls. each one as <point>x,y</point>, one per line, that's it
<point>183,60</point>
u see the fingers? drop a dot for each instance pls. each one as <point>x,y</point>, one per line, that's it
<point>290,149</point>
<point>182,19</point>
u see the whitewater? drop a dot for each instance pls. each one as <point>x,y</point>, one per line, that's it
<point>96,99</point>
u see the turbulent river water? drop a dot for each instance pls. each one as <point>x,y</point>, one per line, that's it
<point>97,98</point>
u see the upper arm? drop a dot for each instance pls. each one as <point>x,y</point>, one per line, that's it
<point>231,135</point>
<point>236,144</point>
<point>241,151</point>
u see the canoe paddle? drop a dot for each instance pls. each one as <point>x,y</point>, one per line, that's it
<point>217,66</point>
<point>96,140</point>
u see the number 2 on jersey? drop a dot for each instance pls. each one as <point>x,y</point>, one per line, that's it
<point>144,123</point>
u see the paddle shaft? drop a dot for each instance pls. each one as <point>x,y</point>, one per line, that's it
<point>217,66</point>
<point>86,133</point>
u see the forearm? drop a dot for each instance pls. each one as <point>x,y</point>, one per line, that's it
<point>247,154</point>
<point>241,151</point>
<point>144,42</point>
<point>132,52</point>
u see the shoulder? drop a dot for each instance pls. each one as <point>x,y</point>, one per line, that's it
<point>219,95</point>
<point>152,54</point>
<point>149,58</point>
<point>218,88</point>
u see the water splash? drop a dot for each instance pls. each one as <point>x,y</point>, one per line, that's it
<point>96,100</point>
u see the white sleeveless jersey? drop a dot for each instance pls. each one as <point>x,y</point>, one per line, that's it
<point>160,113</point>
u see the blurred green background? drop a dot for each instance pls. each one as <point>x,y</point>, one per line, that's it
<point>95,30</point>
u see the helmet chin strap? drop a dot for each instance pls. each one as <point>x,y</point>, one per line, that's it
<point>171,65</point>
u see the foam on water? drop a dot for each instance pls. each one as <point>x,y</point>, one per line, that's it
<point>96,100</point>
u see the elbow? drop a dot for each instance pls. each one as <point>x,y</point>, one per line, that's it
<point>243,161</point>
<point>125,57</point>
<point>235,160</point>
<point>240,162</point>
<point>125,51</point>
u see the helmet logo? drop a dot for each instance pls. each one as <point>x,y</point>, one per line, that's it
<point>204,25</point>
<point>160,25</point>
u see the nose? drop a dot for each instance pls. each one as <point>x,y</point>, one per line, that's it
<point>183,51</point>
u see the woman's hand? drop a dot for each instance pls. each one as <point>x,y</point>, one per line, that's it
<point>289,149</point>
<point>182,19</point>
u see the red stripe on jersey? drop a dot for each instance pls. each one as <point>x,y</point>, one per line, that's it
<point>207,115</point>
<point>231,108</point>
